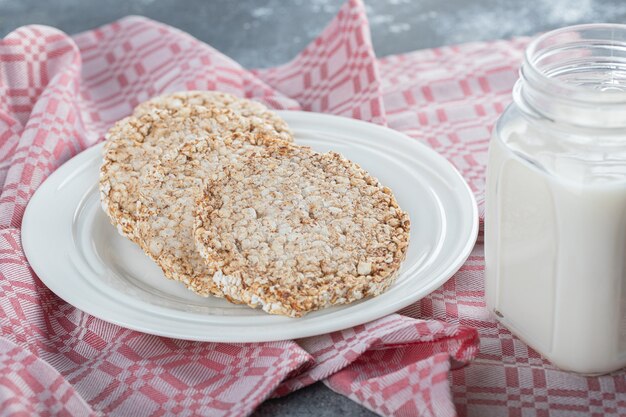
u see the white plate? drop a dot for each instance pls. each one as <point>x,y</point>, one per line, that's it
<point>79,255</point>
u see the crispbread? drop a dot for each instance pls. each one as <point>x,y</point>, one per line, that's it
<point>293,230</point>
<point>155,163</point>
<point>261,118</point>
<point>119,178</point>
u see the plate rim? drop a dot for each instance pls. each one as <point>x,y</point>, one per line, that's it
<point>342,322</point>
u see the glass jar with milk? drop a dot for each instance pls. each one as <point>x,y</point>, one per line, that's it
<point>555,222</point>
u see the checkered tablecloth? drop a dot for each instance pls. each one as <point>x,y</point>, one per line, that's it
<point>59,94</point>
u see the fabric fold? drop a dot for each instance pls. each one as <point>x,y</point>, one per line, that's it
<point>39,81</point>
<point>402,339</point>
<point>337,73</point>
<point>24,377</point>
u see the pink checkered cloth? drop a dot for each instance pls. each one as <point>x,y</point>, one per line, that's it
<point>59,94</point>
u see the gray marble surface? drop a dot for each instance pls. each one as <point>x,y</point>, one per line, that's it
<point>261,33</point>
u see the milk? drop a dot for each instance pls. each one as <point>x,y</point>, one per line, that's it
<point>555,248</point>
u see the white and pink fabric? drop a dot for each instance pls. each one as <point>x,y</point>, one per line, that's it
<point>58,96</point>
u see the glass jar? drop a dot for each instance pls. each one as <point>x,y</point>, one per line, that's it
<point>555,222</point>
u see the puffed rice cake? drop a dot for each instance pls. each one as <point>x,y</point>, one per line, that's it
<point>291,230</point>
<point>260,116</point>
<point>155,163</point>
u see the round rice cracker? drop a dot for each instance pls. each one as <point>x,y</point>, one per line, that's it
<point>260,116</point>
<point>121,182</point>
<point>155,166</point>
<point>292,230</point>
